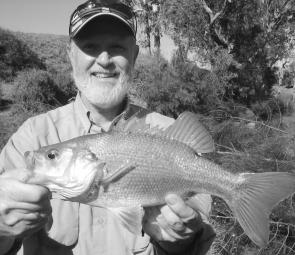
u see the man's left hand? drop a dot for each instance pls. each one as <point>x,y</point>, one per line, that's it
<point>172,226</point>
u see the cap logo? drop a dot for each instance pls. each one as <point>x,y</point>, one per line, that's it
<point>105,10</point>
<point>91,5</point>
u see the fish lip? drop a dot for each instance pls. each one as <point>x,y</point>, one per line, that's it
<point>29,160</point>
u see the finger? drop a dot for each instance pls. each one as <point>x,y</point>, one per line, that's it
<point>29,207</point>
<point>172,219</point>
<point>167,234</point>
<point>179,207</point>
<point>201,203</point>
<point>24,228</point>
<point>35,217</point>
<point>191,218</point>
<point>22,192</point>
<point>31,218</point>
<point>32,194</point>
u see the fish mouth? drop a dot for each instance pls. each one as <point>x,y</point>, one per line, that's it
<point>29,160</point>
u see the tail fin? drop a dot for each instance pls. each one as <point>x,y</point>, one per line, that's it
<point>257,195</point>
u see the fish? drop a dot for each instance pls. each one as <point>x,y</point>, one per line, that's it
<point>136,165</point>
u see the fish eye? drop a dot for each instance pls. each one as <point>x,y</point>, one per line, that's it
<point>52,154</point>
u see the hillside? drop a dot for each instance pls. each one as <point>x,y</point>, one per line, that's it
<point>50,49</point>
<point>15,55</point>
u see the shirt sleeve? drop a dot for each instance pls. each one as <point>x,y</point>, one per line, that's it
<point>12,155</point>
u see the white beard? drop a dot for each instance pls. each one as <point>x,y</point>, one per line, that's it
<point>103,96</point>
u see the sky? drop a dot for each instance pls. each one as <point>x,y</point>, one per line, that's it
<point>48,17</point>
<point>37,16</point>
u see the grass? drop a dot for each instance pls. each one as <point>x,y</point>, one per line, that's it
<point>262,147</point>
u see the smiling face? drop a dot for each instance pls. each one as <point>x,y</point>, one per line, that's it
<point>103,55</point>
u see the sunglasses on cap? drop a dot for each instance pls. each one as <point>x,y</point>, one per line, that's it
<point>91,9</point>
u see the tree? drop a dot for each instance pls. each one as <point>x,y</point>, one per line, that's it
<point>148,13</point>
<point>256,33</point>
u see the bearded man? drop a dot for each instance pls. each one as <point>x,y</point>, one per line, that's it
<point>102,51</point>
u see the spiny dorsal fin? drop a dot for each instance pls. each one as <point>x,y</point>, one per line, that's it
<point>187,129</point>
<point>145,123</point>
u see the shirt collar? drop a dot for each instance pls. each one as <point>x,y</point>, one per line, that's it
<point>82,112</point>
<point>85,115</point>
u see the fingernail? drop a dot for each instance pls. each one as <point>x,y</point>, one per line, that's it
<point>172,199</point>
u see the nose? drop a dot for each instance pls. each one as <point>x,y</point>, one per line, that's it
<point>103,59</point>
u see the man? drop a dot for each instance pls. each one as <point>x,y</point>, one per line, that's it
<point>102,51</point>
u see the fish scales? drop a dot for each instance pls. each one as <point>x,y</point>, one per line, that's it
<point>161,165</point>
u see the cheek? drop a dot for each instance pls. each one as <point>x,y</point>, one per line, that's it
<point>81,62</point>
<point>123,63</point>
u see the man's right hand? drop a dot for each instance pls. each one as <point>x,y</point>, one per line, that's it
<point>24,208</point>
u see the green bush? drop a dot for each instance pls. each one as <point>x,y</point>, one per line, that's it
<point>36,90</point>
<point>177,87</point>
<point>66,85</point>
<point>15,56</point>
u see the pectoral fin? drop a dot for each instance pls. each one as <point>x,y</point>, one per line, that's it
<point>117,174</point>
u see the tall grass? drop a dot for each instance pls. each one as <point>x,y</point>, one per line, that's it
<point>254,147</point>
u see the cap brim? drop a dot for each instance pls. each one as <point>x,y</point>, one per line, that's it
<point>85,22</point>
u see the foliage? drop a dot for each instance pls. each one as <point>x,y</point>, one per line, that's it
<point>179,86</point>
<point>15,56</point>
<point>50,48</point>
<point>255,34</point>
<point>37,91</point>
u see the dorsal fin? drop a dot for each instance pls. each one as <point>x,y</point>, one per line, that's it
<point>188,129</point>
<point>144,122</point>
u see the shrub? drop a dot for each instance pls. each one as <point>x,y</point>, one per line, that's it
<point>177,87</point>
<point>36,90</point>
<point>66,85</point>
<point>15,56</point>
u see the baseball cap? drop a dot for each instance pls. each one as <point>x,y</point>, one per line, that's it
<point>95,8</point>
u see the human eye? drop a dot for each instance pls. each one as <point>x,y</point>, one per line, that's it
<point>89,47</point>
<point>118,47</point>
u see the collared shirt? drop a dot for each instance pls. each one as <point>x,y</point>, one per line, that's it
<point>77,228</point>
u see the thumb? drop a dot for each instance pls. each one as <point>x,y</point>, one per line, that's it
<point>19,174</point>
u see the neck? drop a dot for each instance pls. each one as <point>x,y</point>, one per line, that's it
<point>103,116</point>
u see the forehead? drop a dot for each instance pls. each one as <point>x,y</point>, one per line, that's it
<point>104,25</point>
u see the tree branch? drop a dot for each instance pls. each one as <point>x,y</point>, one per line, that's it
<point>212,21</point>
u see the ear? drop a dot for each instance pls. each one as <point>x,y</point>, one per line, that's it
<point>136,53</point>
<point>69,50</point>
